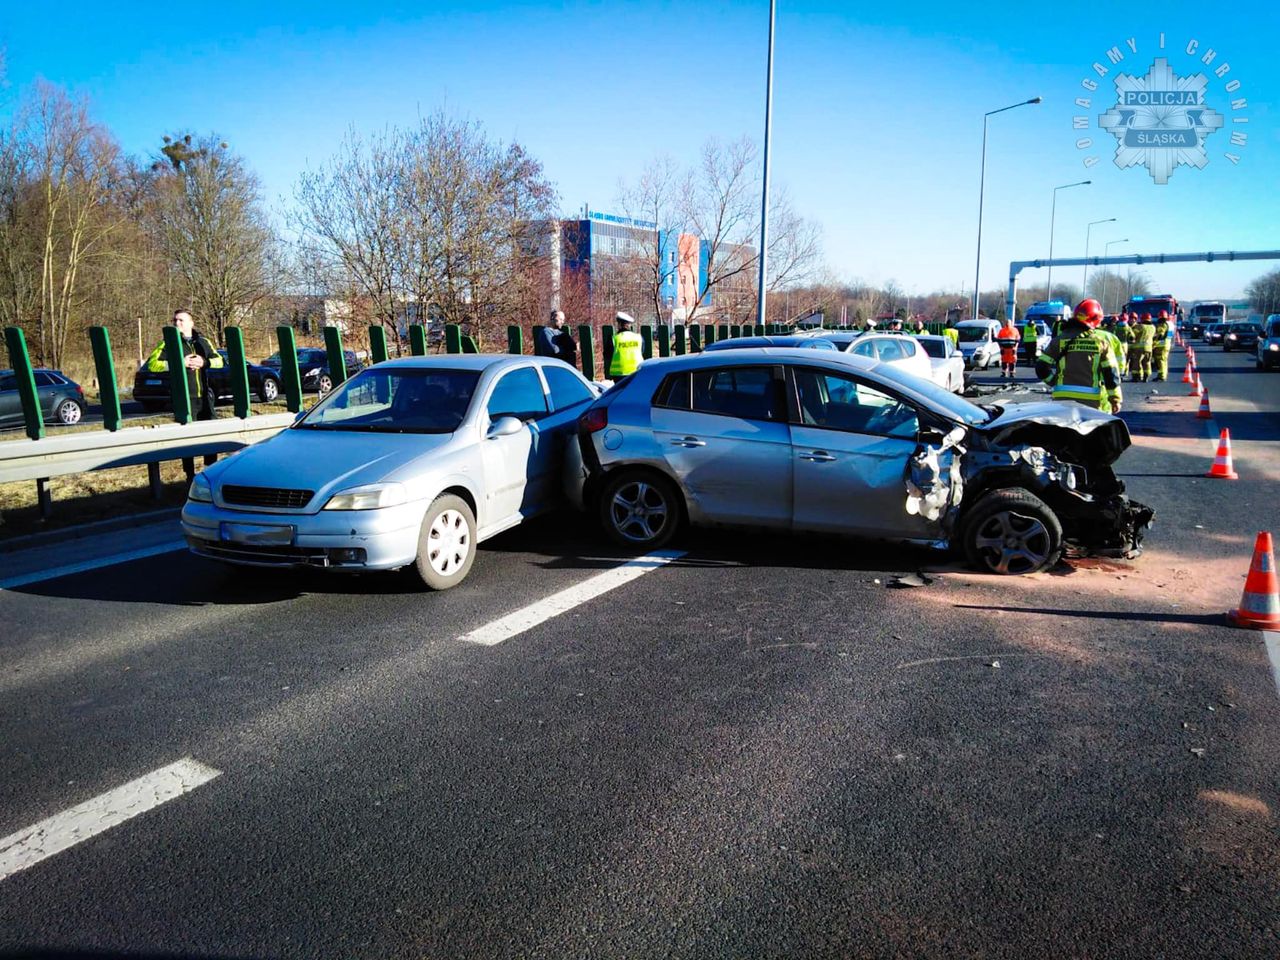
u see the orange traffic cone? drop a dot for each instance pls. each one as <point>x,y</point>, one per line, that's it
<point>1260,602</point>
<point>1205,413</point>
<point>1197,388</point>
<point>1188,377</point>
<point>1222,468</point>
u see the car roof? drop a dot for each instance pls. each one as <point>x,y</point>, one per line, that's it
<point>780,340</point>
<point>980,322</point>
<point>930,336</point>
<point>470,361</point>
<point>753,354</point>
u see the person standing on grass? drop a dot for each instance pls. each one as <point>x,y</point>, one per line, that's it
<point>199,357</point>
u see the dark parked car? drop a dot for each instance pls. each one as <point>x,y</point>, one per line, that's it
<point>1213,332</point>
<point>152,389</point>
<point>800,343</point>
<point>1242,335</point>
<point>61,398</point>
<point>313,365</point>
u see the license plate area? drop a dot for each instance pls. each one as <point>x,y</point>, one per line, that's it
<point>256,534</point>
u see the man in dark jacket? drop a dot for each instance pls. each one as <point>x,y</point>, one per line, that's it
<point>555,340</point>
<point>199,357</point>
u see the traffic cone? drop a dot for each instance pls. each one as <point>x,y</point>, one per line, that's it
<point>1197,388</point>
<point>1188,376</point>
<point>1260,602</point>
<point>1205,413</point>
<point>1222,468</point>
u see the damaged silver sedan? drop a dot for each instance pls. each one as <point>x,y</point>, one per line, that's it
<point>800,440</point>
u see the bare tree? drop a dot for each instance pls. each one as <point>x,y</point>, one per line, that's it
<point>658,197</point>
<point>1264,293</point>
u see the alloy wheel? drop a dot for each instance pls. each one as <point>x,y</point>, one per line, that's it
<point>1011,543</point>
<point>639,511</point>
<point>69,412</point>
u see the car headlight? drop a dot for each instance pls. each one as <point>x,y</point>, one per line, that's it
<point>313,372</point>
<point>1273,346</point>
<point>1232,336</point>
<point>200,491</point>
<point>371,497</point>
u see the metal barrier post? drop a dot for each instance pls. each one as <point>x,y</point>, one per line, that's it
<point>695,338</point>
<point>606,347</point>
<point>417,340</point>
<point>337,358</point>
<point>469,345</point>
<point>452,338</point>
<point>679,345</point>
<point>646,341</point>
<point>735,331</point>
<point>723,332</point>
<point>378,343</point>
<point>239,372</point>
<point>179,378</point>
<point>289,368</point>
<point>20,360</point>
<point>515,339</point>
<point>664,340</point>
<point>108,391</point>
<point>587,350</point>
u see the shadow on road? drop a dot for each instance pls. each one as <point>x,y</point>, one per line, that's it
<point>1136,616</point>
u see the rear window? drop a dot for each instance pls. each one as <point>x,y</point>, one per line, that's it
<point>935,348</point>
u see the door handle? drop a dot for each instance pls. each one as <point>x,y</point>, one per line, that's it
<point>817,456</point>
<point>689,442</point>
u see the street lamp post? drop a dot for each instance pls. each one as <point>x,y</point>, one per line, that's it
<point>1084,283</point>
<point>764,195</point>
<point>982,186</point>
<point>1106,277</point>
<point>1053,213</point>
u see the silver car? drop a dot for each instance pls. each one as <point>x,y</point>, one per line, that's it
<point>818,441</point>
<point>412,461</point>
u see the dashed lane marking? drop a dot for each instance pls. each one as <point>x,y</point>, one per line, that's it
<point>63,830</point>
<point>528,617</point>
<point>53,573</point>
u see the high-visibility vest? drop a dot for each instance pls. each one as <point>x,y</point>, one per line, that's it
<point>1078,364</point>
<point>1161,335</point>
<point>157,362</point>
<point>1146,336</point>
<point>952,334</point>
<point>628,353</point>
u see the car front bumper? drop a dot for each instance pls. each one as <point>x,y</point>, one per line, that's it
<point>339,539</point>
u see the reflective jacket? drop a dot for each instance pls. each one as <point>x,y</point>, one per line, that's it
<point>952,334</point>
<point>1161,335</point>
<point>628,353</point>
<point>197,346</point>
<point>1081,364</point>
<point>1144,336</point>
<point>1029,333</point>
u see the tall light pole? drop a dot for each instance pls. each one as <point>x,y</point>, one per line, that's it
<point>1106,277</point>
<point>982,186</point>
<point>764,195</point>
<point>1084,283</point>
<point>1053,213</point>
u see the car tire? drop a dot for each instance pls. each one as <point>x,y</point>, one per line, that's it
<point>631,501</point>
<point>1011,531</point>
<point>269,390</point>
<point>69,412</point>
<point>446,543</point>
<point>324,383</point>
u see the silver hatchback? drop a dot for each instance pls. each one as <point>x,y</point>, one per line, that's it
<point>811,440</point>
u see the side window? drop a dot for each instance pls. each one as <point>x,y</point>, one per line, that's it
<point>890,350</point>
<point>839,402</point>
<point>518,394</point>
<point>674,392</point>
<point>43,379</point>
<point>566,388</point>
<point>748,393</point>
<point>866,349</point>
<point>8,383</point>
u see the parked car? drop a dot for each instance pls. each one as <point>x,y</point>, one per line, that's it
<point>978,343</point>
<point>412,462</point>
<point>61,398</point>
<point>1213,332</point>
<point>1241,335</point>
<point>895,349</point>
<point>1268,349</point>
<point>799,342</point>
<point>151,388</point>
<point>313,366</point>
<point>815,441</point>
<point>946,362</point>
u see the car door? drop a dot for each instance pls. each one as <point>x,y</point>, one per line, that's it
<point>568,396</point>
<point>10,401</point>
<point>851,442</point>
<point>724,435</point>
<point>512,473</point>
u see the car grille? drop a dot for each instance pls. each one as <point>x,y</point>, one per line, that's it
<point>265,555</point>
<point>277,497</point>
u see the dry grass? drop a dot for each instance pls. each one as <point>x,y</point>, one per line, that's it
<point>86,497</point>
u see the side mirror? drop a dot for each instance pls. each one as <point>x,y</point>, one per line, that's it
<point>504,427</point>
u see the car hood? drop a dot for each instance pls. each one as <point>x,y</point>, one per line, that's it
<point>1072,431</point>
<point>326,460</point>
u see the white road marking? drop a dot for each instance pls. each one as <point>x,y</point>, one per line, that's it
<point>28,847</point>
<point>22,579</point>
<point>1272,641</point>
<point>528,617</point>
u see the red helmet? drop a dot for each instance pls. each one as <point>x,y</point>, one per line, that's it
<point>1146,318</point>
<point>1164,314</point>
<point>1089,312</point>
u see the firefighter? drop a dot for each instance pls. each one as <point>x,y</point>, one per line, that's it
<point>1080,363</point>
<point>628,348</point>
<point>1123,334</point>
<point>199,357</point>
<point>1140,350</point>
<point>1160,348</point>
<point>1008,338</point>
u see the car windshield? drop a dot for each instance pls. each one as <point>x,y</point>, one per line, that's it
<point>1246,328</point>
<point>396,400</point>
<point>955,407</point>
<point>974,334</point>
<point>935,348</point>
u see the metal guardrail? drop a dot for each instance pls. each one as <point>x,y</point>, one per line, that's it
<point>133,446</point>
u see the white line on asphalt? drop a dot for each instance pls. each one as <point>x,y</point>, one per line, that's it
<point>1272,642</point>
<point>528,617</point>
<point>28,847</point>
<point>22,579</point>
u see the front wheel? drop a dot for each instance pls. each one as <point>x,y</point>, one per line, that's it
<point>1011,532</point>
<point>69,412</point>
<point>324,384</point>
<point>447,543</point>
<point>269,390</point>
<point>639,510</point>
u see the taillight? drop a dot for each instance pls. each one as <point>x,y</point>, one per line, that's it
<point>594,420</point>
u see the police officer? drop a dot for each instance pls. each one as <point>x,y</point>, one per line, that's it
<point>198,357</point>
<point>628,348</point>
<point>1160,349</point>
<point>1080,363</point>
<point>1030,335</point>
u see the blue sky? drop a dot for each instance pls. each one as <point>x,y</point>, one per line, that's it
<point>877,122</point>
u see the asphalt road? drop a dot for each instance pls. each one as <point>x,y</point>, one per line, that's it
<point>760,749</point>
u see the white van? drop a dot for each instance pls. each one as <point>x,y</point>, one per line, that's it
<point>978,343</point>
